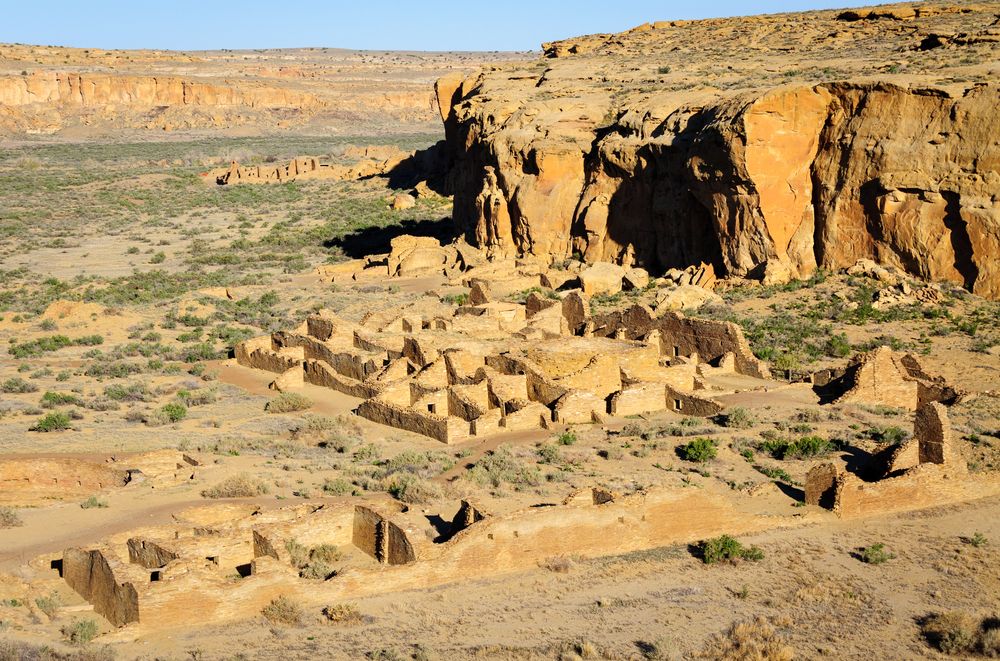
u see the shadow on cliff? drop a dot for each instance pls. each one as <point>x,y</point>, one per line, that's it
<point>659,207</point>
<point>376,240</point>
<point>425,165</point>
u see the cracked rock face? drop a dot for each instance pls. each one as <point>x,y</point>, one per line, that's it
<point>770,145</point>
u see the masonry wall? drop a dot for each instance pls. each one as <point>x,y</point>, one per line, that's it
<point>90,574</point>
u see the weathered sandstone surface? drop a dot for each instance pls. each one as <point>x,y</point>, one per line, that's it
<point>762,146</point>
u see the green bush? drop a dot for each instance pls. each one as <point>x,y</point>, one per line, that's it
<point>887,435</point>
<point>51,399</point>
<point>699,450</point>
<point>457,299</point>
<point>876,554</point>
<point>567,438</point>
<point>288,402</point>
<point>726,548</point>
<point>16,384</point>
<point>174,412</point>
<point>56,421</point>
<point>807,446</point>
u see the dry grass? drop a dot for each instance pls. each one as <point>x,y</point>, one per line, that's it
<point>342,613</point>
<point>962,634</point>
<point>283,610</point>
<point>237,486</point>
<point>558,564</point>
<point>749,640</point>
<point>288,402</point>
<point>9,518</point>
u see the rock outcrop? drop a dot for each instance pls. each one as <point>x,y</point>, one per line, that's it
<point>630,148</point>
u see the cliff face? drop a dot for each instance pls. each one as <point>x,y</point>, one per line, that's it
<point>82,92</point>
<point>769,170</point>
<point>86,89</point>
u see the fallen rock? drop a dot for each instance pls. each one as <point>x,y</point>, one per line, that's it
<point>403,201</point>
<point>685,297</point>
<point>602,278</point>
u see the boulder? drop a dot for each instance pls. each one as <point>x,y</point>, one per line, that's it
<point>403,201</point>
<point>602,278</point>
<point>685,297</point>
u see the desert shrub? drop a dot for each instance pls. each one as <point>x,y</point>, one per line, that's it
<point>567,438</point>
<point>412,489</point>
<point>457,299</point>
<point>174,412</point>
<point>338,487</point>
<point>9,517</point>
<point>977,539</point>
<point>368,453</point>
<point>342,613</point>
<point>237,486</point>
<point>133,392</point>
<point>94,503</point>
<point>559,564</point>
<point>962,634</point>
<point>738,418</point>
<point>49,604</point>
<point>499,467</point>
<point>549,454</point>
<point>56,421</point>
<point>887,435</point>
<point>775,473</point>
<point>726,549</point>
<point>282,610</point>
<point>699,450</point>
<point>16,384</point>
<point>749,639</point>
<point>876,554</point>
<point>630,429</point>
<point>198,397</point>
<point>80,632</point>
<point>288,402</point>
<point>52,399</point>
<point>326,553</point>
<point>807,446</point>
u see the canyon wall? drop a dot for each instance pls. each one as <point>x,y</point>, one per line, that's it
<point>773,181</point>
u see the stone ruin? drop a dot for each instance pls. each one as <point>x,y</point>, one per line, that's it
<point>226,561</point>
<point>923,471</point>
<point>39,480</point>
<point>884,377</point>
<point>369,162</point>
<point>491,365</point>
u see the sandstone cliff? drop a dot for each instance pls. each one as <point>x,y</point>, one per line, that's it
<point>46,89</point>
<point>768,146</point>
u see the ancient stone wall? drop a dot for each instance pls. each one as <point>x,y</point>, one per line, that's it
<point>93,578</point>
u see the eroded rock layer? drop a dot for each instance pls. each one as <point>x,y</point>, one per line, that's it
<point>763,146</point>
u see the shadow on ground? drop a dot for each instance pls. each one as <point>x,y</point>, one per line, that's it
<point>375,240</point>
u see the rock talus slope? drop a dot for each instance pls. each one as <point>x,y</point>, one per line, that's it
<point>768,146</point>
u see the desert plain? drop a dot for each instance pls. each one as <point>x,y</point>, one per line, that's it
<point>681,342</point>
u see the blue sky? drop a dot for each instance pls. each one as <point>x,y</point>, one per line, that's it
<point>361,24</point>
